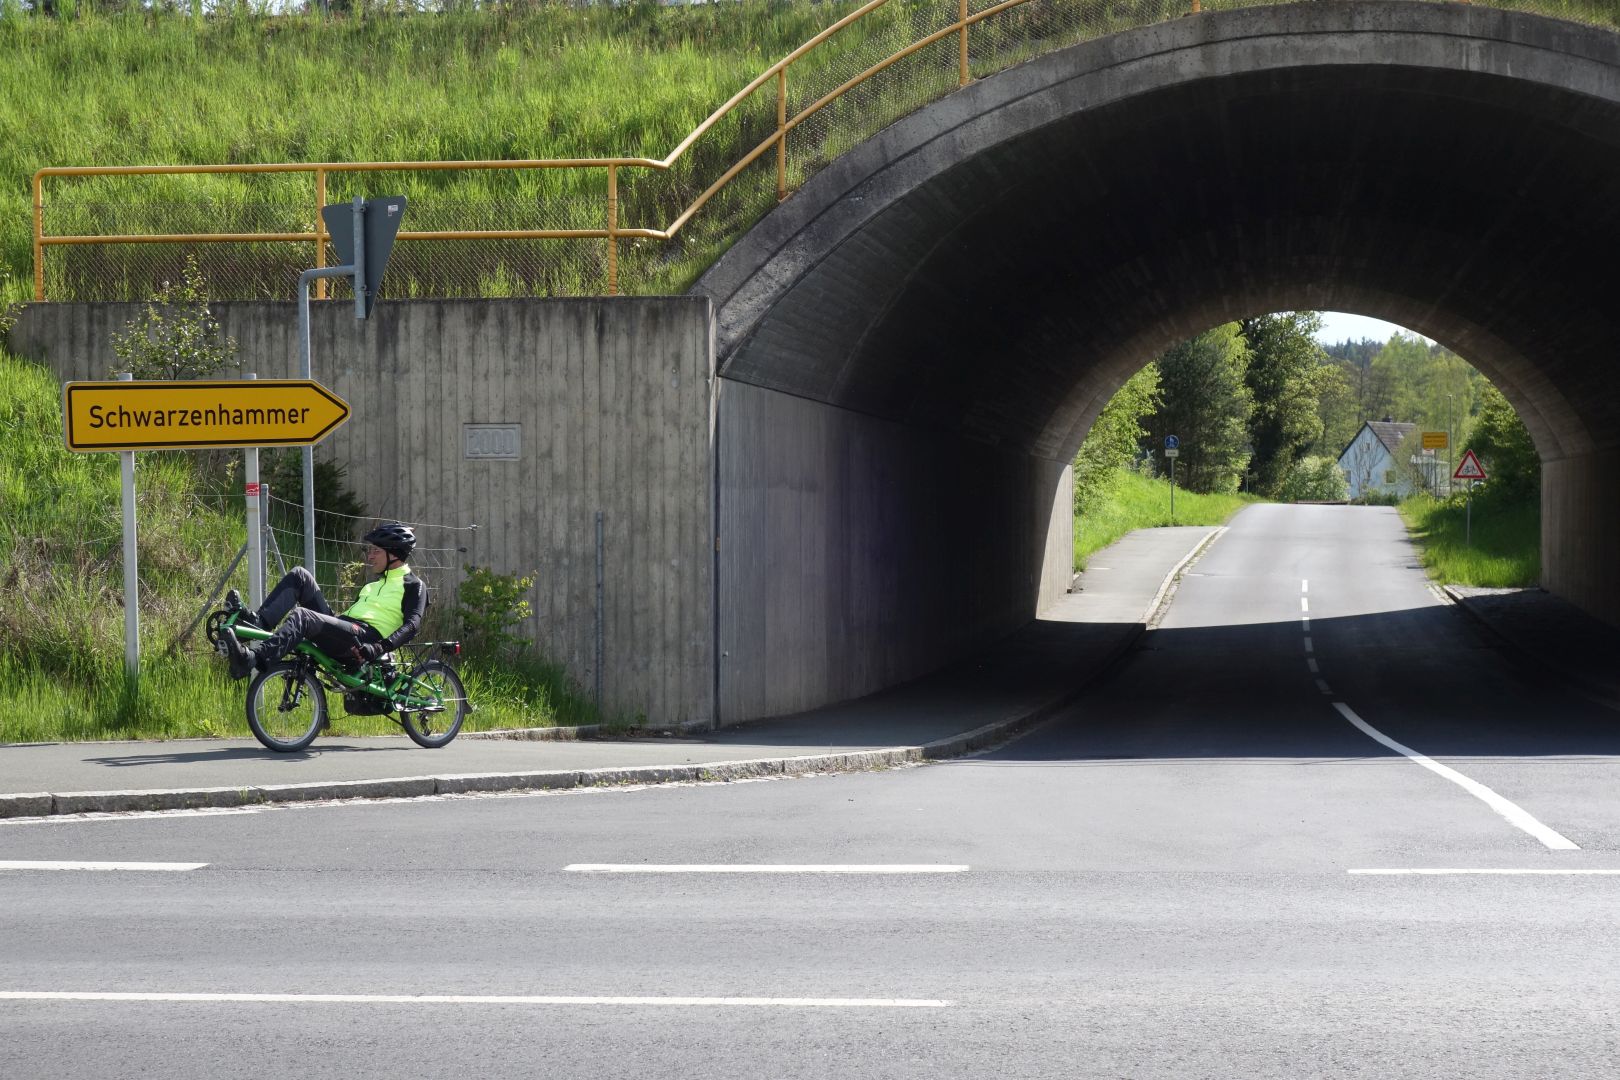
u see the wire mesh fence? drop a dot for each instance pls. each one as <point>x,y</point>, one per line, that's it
<point>280,209</point>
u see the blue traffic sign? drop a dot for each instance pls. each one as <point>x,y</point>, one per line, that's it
<point>1172,443</point>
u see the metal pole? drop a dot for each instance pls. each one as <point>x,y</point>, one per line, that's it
<point>255,519</point>
<point>309,451</point>
<point>1172,491</point>
<point>359,257</point>
<point>599,613</point>
<point>1468,518</point>
<point>1451,453</point>
<point>132,578</point>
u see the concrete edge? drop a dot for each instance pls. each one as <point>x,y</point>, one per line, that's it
<point>1593,690</point>
<point>47,804</point>
<point>1161,599</point>
<point>585,731</point>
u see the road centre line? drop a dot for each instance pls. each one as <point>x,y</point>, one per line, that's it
<point>1321,684</point>
<point>1309,645</point>
<point>1514,814</point>
<point>18,864</point>
<point>473,999</point>
<point>1304,603</point>
<point>1440,871</point>
<point>763,868</point>
<point>1304,585</point>
<point>1305,620</point>
<point>1311,663</point>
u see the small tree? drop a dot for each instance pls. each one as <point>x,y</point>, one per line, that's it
<point>489,605</point>
<point>1111,444</point>
<point>1503,443</point>
<point>1314,479</point>
<point>176,337</point>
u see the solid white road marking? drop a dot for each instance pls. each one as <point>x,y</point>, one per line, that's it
<point>1436,871</point>
<point>1309,646</point>
<point>475,999</point>
<point>1304,603</point>
<point>763,868</point>
<point>18,864</point>
<point>1513,813</point>
<point>1311,663</point>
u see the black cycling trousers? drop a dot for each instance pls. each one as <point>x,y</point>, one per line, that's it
<point>304,615</point>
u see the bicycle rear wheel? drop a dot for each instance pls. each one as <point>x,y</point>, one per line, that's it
<point>285,707</point>
<point>435,681</point>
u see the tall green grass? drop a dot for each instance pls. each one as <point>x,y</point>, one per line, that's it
<point>1500,549</point>
<point>61,596</point>
<point>1138,502</point>
<point>506,82</point>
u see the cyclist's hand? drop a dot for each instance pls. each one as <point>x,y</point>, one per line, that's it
<point>367,652</point>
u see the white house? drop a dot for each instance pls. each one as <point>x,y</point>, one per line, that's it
<point>1371,461</point>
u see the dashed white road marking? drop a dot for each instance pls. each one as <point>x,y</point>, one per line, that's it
<point>1514,814</point>
<point>1311,663</point>
<point>1321,684</point>
<point>1309,645</point>
<point>764,868</point>
<point>173,867</point>
<point>475,999</point>
<point>1469,871</point>
<point>1304,585</point>
<point>1304,603</point>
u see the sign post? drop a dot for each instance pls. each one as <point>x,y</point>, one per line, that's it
<point>1172,450</point>
<point>132,577</point>
<point>125,416</point>
<point>1471,470</point>
<point>363,233</point>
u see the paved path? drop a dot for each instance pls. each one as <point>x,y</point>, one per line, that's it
<point>970,705</point>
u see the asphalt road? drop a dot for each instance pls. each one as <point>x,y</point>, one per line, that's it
<point>1167,881</point>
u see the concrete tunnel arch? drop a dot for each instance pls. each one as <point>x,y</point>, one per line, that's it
<point>964,292</point>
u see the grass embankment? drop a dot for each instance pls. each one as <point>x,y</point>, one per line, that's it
<point>61,596</point>
<point>1137,502</point>
<point>1503,548</point>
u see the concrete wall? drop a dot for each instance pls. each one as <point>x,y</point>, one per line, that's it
<point>1580,531</point>
<point>612,398</point>
<point>857,553</point>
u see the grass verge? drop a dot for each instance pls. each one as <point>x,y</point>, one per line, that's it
<point>1137,502</point>
<point>1502,549</point>
<point>61,597</point>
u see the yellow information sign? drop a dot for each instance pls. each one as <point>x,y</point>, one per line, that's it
<point>198,415</point>
<point>1435,440</point>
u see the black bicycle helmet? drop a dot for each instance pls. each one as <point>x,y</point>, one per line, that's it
<point>393,537</point>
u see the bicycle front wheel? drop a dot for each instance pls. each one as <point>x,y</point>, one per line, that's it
<point>435,681</point>
<point>286,707</point>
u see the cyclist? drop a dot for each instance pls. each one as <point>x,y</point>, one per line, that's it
<point>387,614</point>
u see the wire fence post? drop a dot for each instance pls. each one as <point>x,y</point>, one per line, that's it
<point>255,520</point>
<point>600,559</point>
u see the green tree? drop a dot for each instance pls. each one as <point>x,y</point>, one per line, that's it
<point>1112,442</point>
<point>1337,407</point>
<point>1505,448</point>
<point>1207,405</point>
<point>1314,479</point>
<point>1282,377</point>
<point>176,337</point>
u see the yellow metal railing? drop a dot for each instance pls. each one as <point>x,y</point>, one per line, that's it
<point>612,231</point>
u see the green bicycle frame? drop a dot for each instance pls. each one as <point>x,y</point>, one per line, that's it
<point>390,692</point>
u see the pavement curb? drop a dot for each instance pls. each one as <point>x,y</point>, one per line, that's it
<point>48,804</point>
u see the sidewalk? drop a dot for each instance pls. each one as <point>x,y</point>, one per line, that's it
<point>1016,683</point>
<point>1547,633</point>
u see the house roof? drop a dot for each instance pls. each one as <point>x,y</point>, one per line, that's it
<point>1390,434</point>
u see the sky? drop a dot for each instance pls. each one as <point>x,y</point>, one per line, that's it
<point>1339,326</point>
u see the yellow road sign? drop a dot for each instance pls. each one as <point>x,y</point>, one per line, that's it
<point>198,415</point>
<point>1436,440</point>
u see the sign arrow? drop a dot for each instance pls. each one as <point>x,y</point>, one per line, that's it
<point>187,415</point>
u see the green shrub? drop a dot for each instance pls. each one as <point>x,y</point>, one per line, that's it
<point>489,605</point>
<point>176,337</point>
<point>1315,479</point>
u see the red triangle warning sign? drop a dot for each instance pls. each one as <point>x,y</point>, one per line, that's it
<point>1469,468</point>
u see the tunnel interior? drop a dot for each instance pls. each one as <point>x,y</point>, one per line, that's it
<point>986,274</point>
